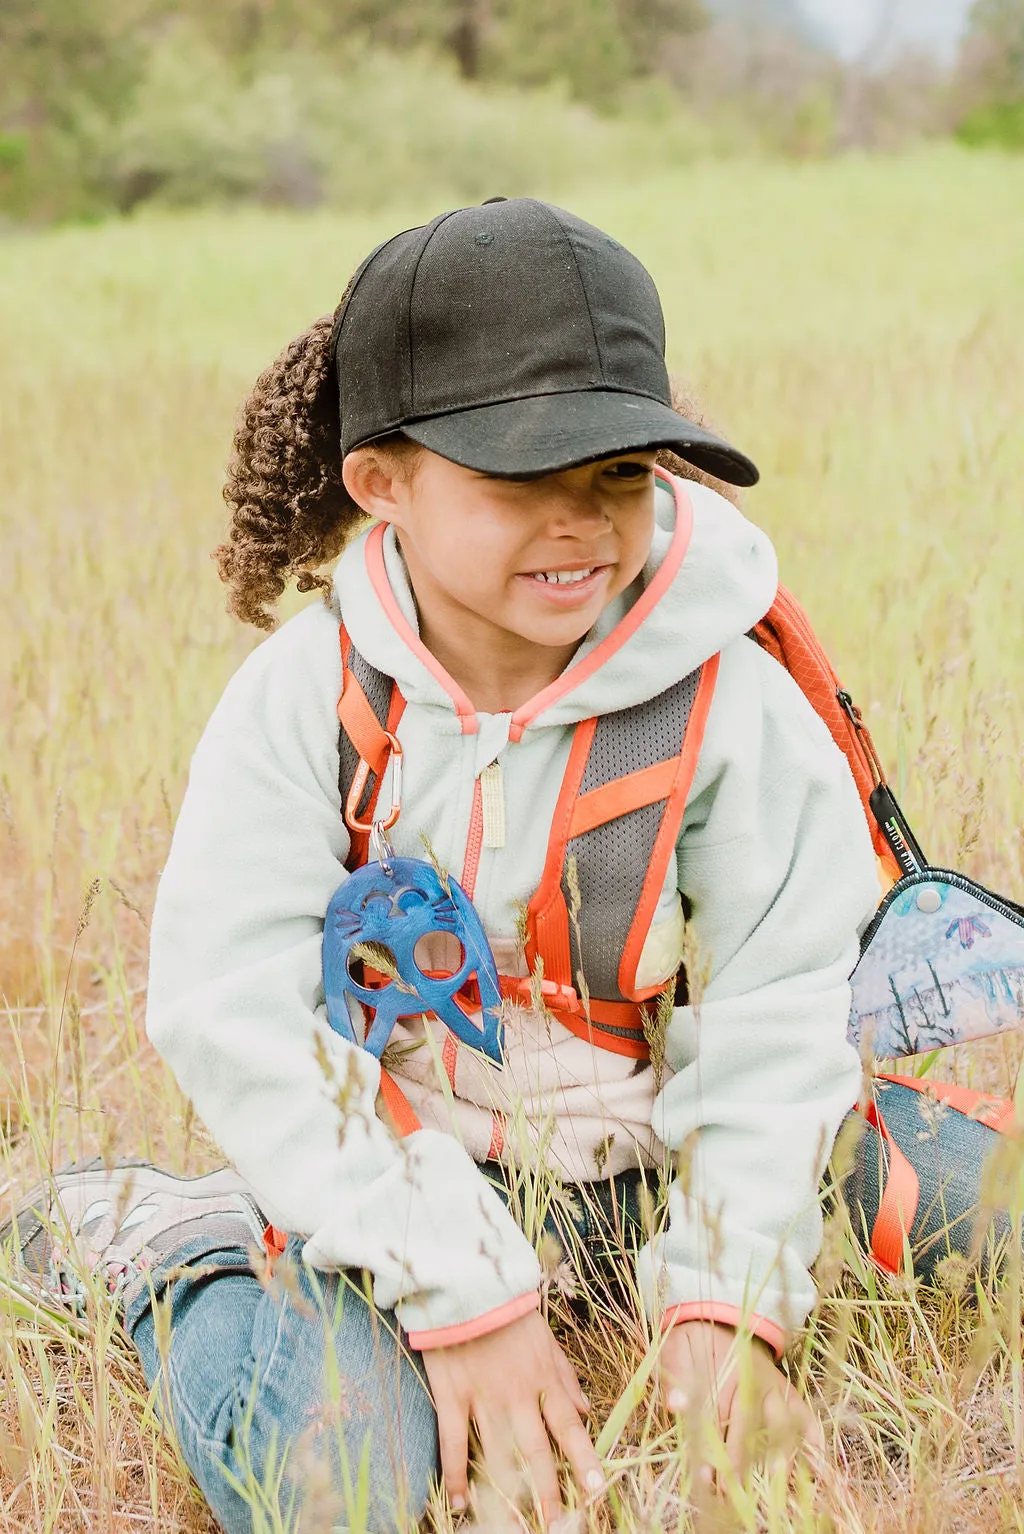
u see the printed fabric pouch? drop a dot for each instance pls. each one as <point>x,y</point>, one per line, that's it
<point>942,963</point>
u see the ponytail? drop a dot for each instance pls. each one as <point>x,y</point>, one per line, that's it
<point>290,511</point>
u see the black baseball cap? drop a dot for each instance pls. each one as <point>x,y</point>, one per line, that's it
<point>514,339</point>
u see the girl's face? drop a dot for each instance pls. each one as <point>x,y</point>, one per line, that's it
<point>538,559</point>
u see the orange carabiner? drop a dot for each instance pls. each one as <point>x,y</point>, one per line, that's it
<point>358,788</point>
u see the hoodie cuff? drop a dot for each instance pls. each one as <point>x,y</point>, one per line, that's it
<point>728,1315</point>
<point>466,1331</point>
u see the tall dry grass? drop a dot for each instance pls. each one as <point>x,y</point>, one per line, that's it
<point>859,328</point>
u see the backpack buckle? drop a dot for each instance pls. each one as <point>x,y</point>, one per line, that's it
<point>523,989</point>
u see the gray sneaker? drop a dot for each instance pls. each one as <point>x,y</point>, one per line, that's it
<point>123,1220</point>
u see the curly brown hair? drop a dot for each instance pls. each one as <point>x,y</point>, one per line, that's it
<point>691,410</point>
<point>290,511</point>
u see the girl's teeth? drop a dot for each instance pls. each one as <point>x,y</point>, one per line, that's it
<point>562,577</point>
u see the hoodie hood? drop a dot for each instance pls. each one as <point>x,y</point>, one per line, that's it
<point>711,576</point>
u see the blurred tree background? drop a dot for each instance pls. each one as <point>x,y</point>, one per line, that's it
<point>107,104</point>
<point>992,75</point>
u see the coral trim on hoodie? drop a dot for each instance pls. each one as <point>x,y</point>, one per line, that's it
<point>728,1315</point>
<point>490,1321</point>
<point>382,586</point>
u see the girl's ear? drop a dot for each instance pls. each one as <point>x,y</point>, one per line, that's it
<point>377,481</point>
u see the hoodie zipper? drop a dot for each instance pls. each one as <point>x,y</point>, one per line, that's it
<point>470,868</point>
<point>474,841</point>
<point>486,822</point>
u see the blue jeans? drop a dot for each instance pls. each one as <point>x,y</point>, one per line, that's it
<point>300,1399</point>
<point>299,1404</point>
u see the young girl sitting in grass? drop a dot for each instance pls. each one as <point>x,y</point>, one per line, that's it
<point>481,433</point>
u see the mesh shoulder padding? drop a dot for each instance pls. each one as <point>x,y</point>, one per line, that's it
<point>377,688</point>
<point>612,860</point>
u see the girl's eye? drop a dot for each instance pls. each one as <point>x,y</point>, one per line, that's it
<point>627,469</point>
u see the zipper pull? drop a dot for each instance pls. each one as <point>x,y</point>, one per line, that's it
<point>850,708</point>
<point>862,735</point>
<point>492,804</point>
<point>893,823</point>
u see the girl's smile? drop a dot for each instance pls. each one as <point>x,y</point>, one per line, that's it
<point>570,586</point>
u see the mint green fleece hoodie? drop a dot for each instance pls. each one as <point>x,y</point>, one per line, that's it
<point>773,857</point>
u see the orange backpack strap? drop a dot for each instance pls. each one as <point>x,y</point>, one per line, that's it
<point>400,1110</point>
<point>998,1113</point>
<point>898,1205</point>
<point>369,710</point>
<point>612,837</point>
<point>786,633</point>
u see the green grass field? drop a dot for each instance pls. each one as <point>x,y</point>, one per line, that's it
<point>858,327</point>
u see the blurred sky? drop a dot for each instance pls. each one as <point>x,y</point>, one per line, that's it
<point>851,26</point>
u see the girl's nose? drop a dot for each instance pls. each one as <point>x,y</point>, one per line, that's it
<point>577,511</point>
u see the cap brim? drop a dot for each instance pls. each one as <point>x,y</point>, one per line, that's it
<point>547,432</point>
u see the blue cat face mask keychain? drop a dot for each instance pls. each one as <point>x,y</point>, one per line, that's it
<point>393,903</point>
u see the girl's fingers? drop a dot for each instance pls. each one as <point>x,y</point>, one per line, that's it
<point>677,1366</point>
<point>572,1438</point>
<point>782,1430</point>
<point>724,1400</point>
<point>453,1437</point>
<point>521,1437</point>
<point>792,1425</point>
<point>567,1375</point>
<point>780,1425</point>
<point>738,1428</point>
<point>811,1429</point>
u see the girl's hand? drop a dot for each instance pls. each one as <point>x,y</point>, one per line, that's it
<point>696,1372</point>
<point>518,1387</point>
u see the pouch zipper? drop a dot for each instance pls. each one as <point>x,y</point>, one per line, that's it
<point>1012,912</point>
